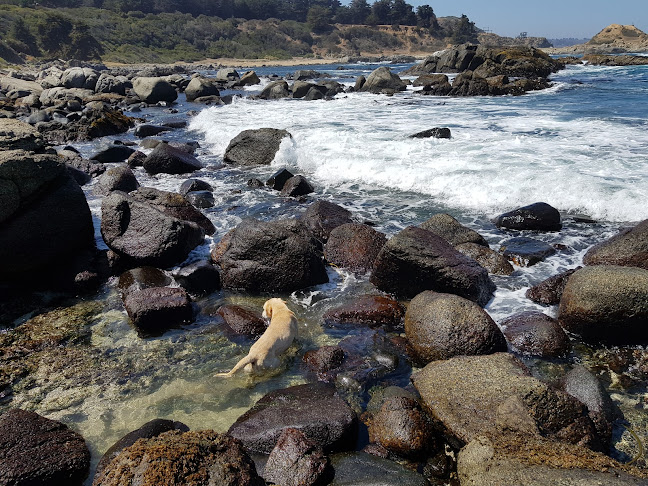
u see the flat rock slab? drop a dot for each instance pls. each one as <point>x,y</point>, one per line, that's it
<point>526,252</point>
<point>35,450</point>
<point>372,310</point>
<point>315,409</point>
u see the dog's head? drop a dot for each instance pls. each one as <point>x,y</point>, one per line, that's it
<point>268,306</point>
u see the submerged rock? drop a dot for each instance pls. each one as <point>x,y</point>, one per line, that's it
<point>525,252</point>
<point>315,409</point>
<point>276,256</point>
<point>606,303</point>
<point>241,320</point>
<point>440,326</point>
<point>35,450</point>
<point>254,147</point>
<point>437,132</point>
<point>202,457</point>
<point>415,260</point>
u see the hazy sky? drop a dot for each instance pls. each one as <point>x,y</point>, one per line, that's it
<point>547,18</point>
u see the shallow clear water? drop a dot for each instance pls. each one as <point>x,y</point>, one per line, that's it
<point>579,146</point>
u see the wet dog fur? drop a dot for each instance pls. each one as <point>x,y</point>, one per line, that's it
<point>265,352</point>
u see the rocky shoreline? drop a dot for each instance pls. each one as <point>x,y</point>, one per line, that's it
<point>476,411</point>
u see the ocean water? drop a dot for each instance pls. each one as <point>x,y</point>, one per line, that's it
<point>580,146</point>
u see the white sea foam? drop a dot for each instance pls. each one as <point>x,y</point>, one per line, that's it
<point>504,153</point>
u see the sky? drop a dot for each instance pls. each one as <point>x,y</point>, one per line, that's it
<point>548,18</point>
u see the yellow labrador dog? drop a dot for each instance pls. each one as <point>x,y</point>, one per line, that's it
<point>264,353</point>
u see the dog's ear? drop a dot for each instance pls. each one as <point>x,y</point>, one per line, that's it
<point>267,310</point>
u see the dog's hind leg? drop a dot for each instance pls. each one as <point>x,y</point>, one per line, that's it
<point>244,362</point>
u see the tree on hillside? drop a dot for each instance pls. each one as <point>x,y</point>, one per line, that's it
<point>21,39</point>
<point>359,10</point>
<point>319,19</point>
<point>402,13</point>
<point>381,12</point>
<point>465,31</point>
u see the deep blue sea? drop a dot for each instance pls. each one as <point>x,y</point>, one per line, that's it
<point>581,146</point>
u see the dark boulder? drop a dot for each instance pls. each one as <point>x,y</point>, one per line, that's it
<point>276,256</point>
<point>525,252</point>
<point>136,159</point>
<point>494,262</point>
<point>371,310</point>
<point>156,309</point>
<point>315,409</point>
<point>536,217</point>
<point>241,320</point>
<point>198,278</point>
<point>175,205</point>
<point>278,180</point>
<point>38,451</point>
<point>127,224</point>
<point>315,93</point>
<point>549,291</point>
<point>152,90</point>
<point>402,427</point>
<point>297,186</point>
<point>324,359</point>
<point>146,130</point>
<point>40,202</point>
<point>452,230</point>
<point>433,133</point>
<point>300,89</point>
<point>383,80</point>
<point>606,303</point>
<point>580,383</point>
<point>142,278</point>
<point>117,179</point>
<point>354,246</point>
<point>114,153</point>
<point>322,217</point>
<point>182,459</point>
<point>536,334</point>
<point>359,83</point>
<point>440,326</point>
<point>415,260</point>
<point>275,90</point>
<point>254,147</point>
<point>628,249</point>
<point>297,461</point>
<point>201,199</point>
<point>167,159</point>
<point>150,429</point>
<point>194,185</point>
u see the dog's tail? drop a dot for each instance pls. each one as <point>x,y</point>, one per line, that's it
<point>244,362</point>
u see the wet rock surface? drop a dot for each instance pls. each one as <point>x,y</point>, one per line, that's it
<point>242,320</point>
<point>354,246</point>
<point>606,303</point>
<point>274,256</point>
<point>297,461</point>
<point>536,217</point>
<point>452,231</point>
<point>494,262</point>
<point>322,217</point>
<point>440,326</point>
<point>36,450</point>
<point>254,147</point>
<point>315,409</point>
<point>536,334</point>
<point>202,457</point>
<point>150,429</point>
<point>549,291</point>
<point>415,260</point>
<point>371,310</point>
<point>157,309</point>
<point>629,249</point>
<point>361,469</point>
<point>525,251</point>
